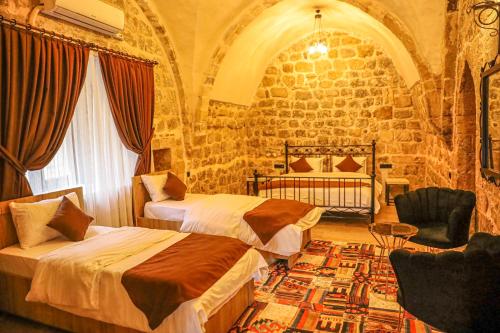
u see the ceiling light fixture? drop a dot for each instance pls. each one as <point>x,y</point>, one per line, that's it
<point>318,45</point>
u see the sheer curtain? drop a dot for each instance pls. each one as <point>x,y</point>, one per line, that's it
<point>93,156</point>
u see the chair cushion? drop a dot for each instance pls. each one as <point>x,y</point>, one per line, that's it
<point>433,235</point>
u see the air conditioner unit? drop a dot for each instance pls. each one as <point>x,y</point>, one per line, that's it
<point>91,14</point>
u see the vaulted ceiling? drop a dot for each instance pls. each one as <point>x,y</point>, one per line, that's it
<point>197,28</point>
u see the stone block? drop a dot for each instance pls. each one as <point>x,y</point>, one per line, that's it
<point>279,92</point>
<point>384,112</point>
<point>303,67</point>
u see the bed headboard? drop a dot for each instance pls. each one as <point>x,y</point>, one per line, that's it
<point>140,195</point>
<point>329,151</point>
<point>8,234</point>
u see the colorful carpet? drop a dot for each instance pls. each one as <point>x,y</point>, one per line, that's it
<point>334,287</point>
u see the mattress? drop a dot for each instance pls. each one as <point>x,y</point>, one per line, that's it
<point>171,210</point>
<point>189,317</point>
<point>22,262</point>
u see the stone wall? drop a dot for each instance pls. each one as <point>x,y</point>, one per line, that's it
<point>453,159</point>
<point>139,38</point>
<point>221,164</point>
<point>353,95</point>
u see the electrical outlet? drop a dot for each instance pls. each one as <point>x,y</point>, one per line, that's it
<point>385,166</point>
<point>279,165</point>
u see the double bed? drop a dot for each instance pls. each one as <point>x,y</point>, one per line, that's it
<point>326,186</point>
<point>43,272</point>
<point>220,214</point>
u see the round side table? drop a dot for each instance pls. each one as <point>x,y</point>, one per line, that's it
<point>390,236</point>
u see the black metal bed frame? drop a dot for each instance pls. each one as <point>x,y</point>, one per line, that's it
<point>333,207</point>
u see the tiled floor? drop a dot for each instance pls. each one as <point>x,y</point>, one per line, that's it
<point>340,230</point>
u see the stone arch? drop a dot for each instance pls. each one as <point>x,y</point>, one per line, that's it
<point>390,21</point>
<point>464,136</point>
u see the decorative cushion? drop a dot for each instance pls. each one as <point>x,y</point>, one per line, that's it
<point>154,184</point>
<point>348,165</point>
<point>174,187</point>
<point>358,159</point>
<point>301,165</point>
<point>70,221</point>
<point>31,219</point>
<point>316,163</point>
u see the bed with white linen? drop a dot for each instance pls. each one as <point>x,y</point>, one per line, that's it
<point>64,277</point>
<point>220,214</point>
<point>325,185</point>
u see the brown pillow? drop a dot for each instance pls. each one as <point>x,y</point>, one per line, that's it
<point>174,187</point>
<point>348,165</point>
<point>70,221</point>
<point>301,165</point>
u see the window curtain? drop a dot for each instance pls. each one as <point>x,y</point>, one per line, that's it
<point>93,156</point>
<point>130,88</point>
<point>40,81</point>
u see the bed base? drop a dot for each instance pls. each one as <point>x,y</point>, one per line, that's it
<point>291,260</point>
<point>270,257</point>
<point>13,290</point>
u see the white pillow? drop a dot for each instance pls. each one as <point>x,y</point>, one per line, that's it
<point>315,162</point>
<point>358,159</point>
<point>154,184</point>
<point>31,219</point>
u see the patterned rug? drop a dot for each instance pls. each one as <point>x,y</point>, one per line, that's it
<point>334,287</point>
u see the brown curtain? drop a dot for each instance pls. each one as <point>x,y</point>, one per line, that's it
<point>130,88</point>
<point>41,79</point>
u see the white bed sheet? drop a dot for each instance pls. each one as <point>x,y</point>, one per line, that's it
<point>171,210</point>
<point>353,197</point>
<point>222,214</point>
<point>22,262</point>
<point>189,317</point>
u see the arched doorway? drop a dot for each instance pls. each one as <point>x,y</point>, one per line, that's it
<point>465,133</point>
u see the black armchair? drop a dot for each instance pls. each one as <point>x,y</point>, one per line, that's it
<point>452,291</point>
<point>442,215</point>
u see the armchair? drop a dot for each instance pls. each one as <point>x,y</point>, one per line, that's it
<point>452,291</point>
<point>442,215</point>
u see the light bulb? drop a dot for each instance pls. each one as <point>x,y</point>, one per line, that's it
<point>313,49</point>
<point>321,47</point>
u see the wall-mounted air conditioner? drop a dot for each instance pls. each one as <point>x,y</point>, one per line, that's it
<point>92,14</point>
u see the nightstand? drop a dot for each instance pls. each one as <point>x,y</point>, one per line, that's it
<point>389,182</point>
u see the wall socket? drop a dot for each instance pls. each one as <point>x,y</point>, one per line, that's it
<point>385,166</point>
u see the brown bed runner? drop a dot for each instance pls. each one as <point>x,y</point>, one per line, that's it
<point>180,273</point>
<point>314,183</point>
<point>273,215</point>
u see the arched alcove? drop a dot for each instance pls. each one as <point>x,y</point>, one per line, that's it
<point>464,136</point>
<point>281,26</point>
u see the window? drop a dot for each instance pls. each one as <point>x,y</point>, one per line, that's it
<point>93,156</point>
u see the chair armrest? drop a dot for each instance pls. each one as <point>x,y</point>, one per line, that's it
<point>459,224</point>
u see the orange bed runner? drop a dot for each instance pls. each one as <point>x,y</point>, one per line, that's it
<point>290,183</point>
<point>273,215</point>
<point>180,273</point>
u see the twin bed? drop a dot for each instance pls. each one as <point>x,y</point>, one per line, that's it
<point>221,214</point>
<point>61,279</point>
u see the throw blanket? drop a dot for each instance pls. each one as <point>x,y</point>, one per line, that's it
<point>273,215</point>
<point>313,183</point>
<point>180,273</point>
<point>70,276</point>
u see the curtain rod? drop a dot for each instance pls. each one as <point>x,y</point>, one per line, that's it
<point>52,34</point>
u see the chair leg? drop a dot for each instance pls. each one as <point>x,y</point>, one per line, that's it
<point>400,319</point>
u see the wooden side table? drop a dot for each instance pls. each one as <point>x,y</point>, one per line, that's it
<point>389,182</point>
